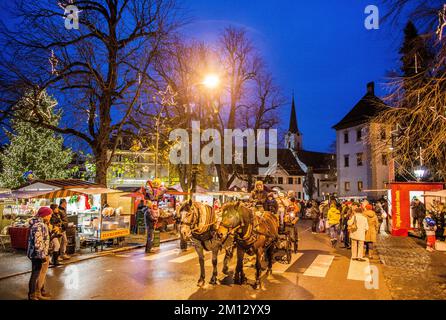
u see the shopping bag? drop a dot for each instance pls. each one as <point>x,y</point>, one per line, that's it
<point>321,226</point>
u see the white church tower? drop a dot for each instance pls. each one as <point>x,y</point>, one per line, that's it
<point>293,138</point>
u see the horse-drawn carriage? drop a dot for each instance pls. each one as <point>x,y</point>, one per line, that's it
<point>256,233</point>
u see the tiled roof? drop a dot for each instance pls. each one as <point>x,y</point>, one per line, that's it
<point>367,108</point>
<point>319,161</point>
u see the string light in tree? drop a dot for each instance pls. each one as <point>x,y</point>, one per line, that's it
<point>441,22</point>
<point>53,62</point>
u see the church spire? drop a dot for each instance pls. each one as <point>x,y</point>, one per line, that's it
<point>293,138</point>
<point>293,119</point>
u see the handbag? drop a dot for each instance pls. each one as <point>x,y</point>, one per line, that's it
<point>321,225</point>
<point>353,227</point>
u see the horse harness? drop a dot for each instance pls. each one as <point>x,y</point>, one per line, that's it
<point>251,235</point>
<point>205,232</point>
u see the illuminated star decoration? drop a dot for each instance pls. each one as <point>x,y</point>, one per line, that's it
<point>441,22</point>
<point>168,97</point>
<point>53,62</point>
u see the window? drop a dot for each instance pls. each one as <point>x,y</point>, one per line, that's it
<point>360,185</point>
<point>279,180</point>
<point>384,159</point>
<point>359,135</point>
<point>290,180</point>
<point>359,159</point>
<point>346,137</point>
<point>346,161</point>
<point>299,195</point>
<point>347,186</point>
<point>299,181</point>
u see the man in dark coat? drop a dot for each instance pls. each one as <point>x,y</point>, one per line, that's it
<point>150,222</point>
<point>63,240</point>
<point>418,213</point>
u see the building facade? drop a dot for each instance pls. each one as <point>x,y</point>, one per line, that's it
<point>362,149</point>
<point>296,165</point>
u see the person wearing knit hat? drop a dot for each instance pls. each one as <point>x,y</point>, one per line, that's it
<point>38,247</point>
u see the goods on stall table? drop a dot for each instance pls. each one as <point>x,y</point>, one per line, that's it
<point>440,245</point>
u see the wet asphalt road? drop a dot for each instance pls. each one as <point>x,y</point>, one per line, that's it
<point>317,272</point>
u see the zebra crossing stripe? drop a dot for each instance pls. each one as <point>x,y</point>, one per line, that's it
<point>282,267</point>
<point>320,266</point>
<point>161,255</point>
<point>359,271</point>
<point>185,258</point>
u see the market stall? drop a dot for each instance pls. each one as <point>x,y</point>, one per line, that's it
<point>90,222</point>
<point>401,195</point>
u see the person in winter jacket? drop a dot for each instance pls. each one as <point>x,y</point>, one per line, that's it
<point>55,229</point>
<point>38,253</point>
<point>334,217</point>
<point>259,195</point>
<point>139,217</point>
<point>346,213</point>
<point>430,226</point>
<point>418,213</point>
<point>358,226</point>
<point>63,240</point>
<point>314,213</point>
<point>283,203</point>
<point>370,236</point>
<point>150,221</point>
<point>271,204</point>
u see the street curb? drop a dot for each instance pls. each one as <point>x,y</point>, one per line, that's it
<point>98,255</point>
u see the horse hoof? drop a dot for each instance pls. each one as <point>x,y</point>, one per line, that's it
<point>200,283</point>
<point>257,286</point>
<point>225,271</point>
<point>269,272</point>
<point>213,281</point>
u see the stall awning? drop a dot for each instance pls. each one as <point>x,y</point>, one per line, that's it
<point>94,190</point>
<point>38,194</point>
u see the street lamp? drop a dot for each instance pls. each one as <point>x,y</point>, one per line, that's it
<point>211,81</point>
<point>419,173</point>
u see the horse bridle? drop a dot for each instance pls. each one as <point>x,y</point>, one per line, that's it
<point>193,224</point>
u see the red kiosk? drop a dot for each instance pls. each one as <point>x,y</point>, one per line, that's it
<point>401,197</point>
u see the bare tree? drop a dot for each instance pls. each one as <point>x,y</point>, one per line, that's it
<point>260,112</point>
<point>418,116</point>
<point>97,72</point>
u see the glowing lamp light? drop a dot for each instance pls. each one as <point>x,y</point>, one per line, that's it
<point>419,173</point>
<point>211,81</point>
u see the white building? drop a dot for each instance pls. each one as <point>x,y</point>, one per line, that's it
<point>362,149</point>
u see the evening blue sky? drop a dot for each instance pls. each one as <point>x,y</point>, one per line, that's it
<point>319,48</point>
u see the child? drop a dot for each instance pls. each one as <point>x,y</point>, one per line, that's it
<point>430,226</point>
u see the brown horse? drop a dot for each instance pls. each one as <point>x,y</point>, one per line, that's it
<point>254,234</point>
